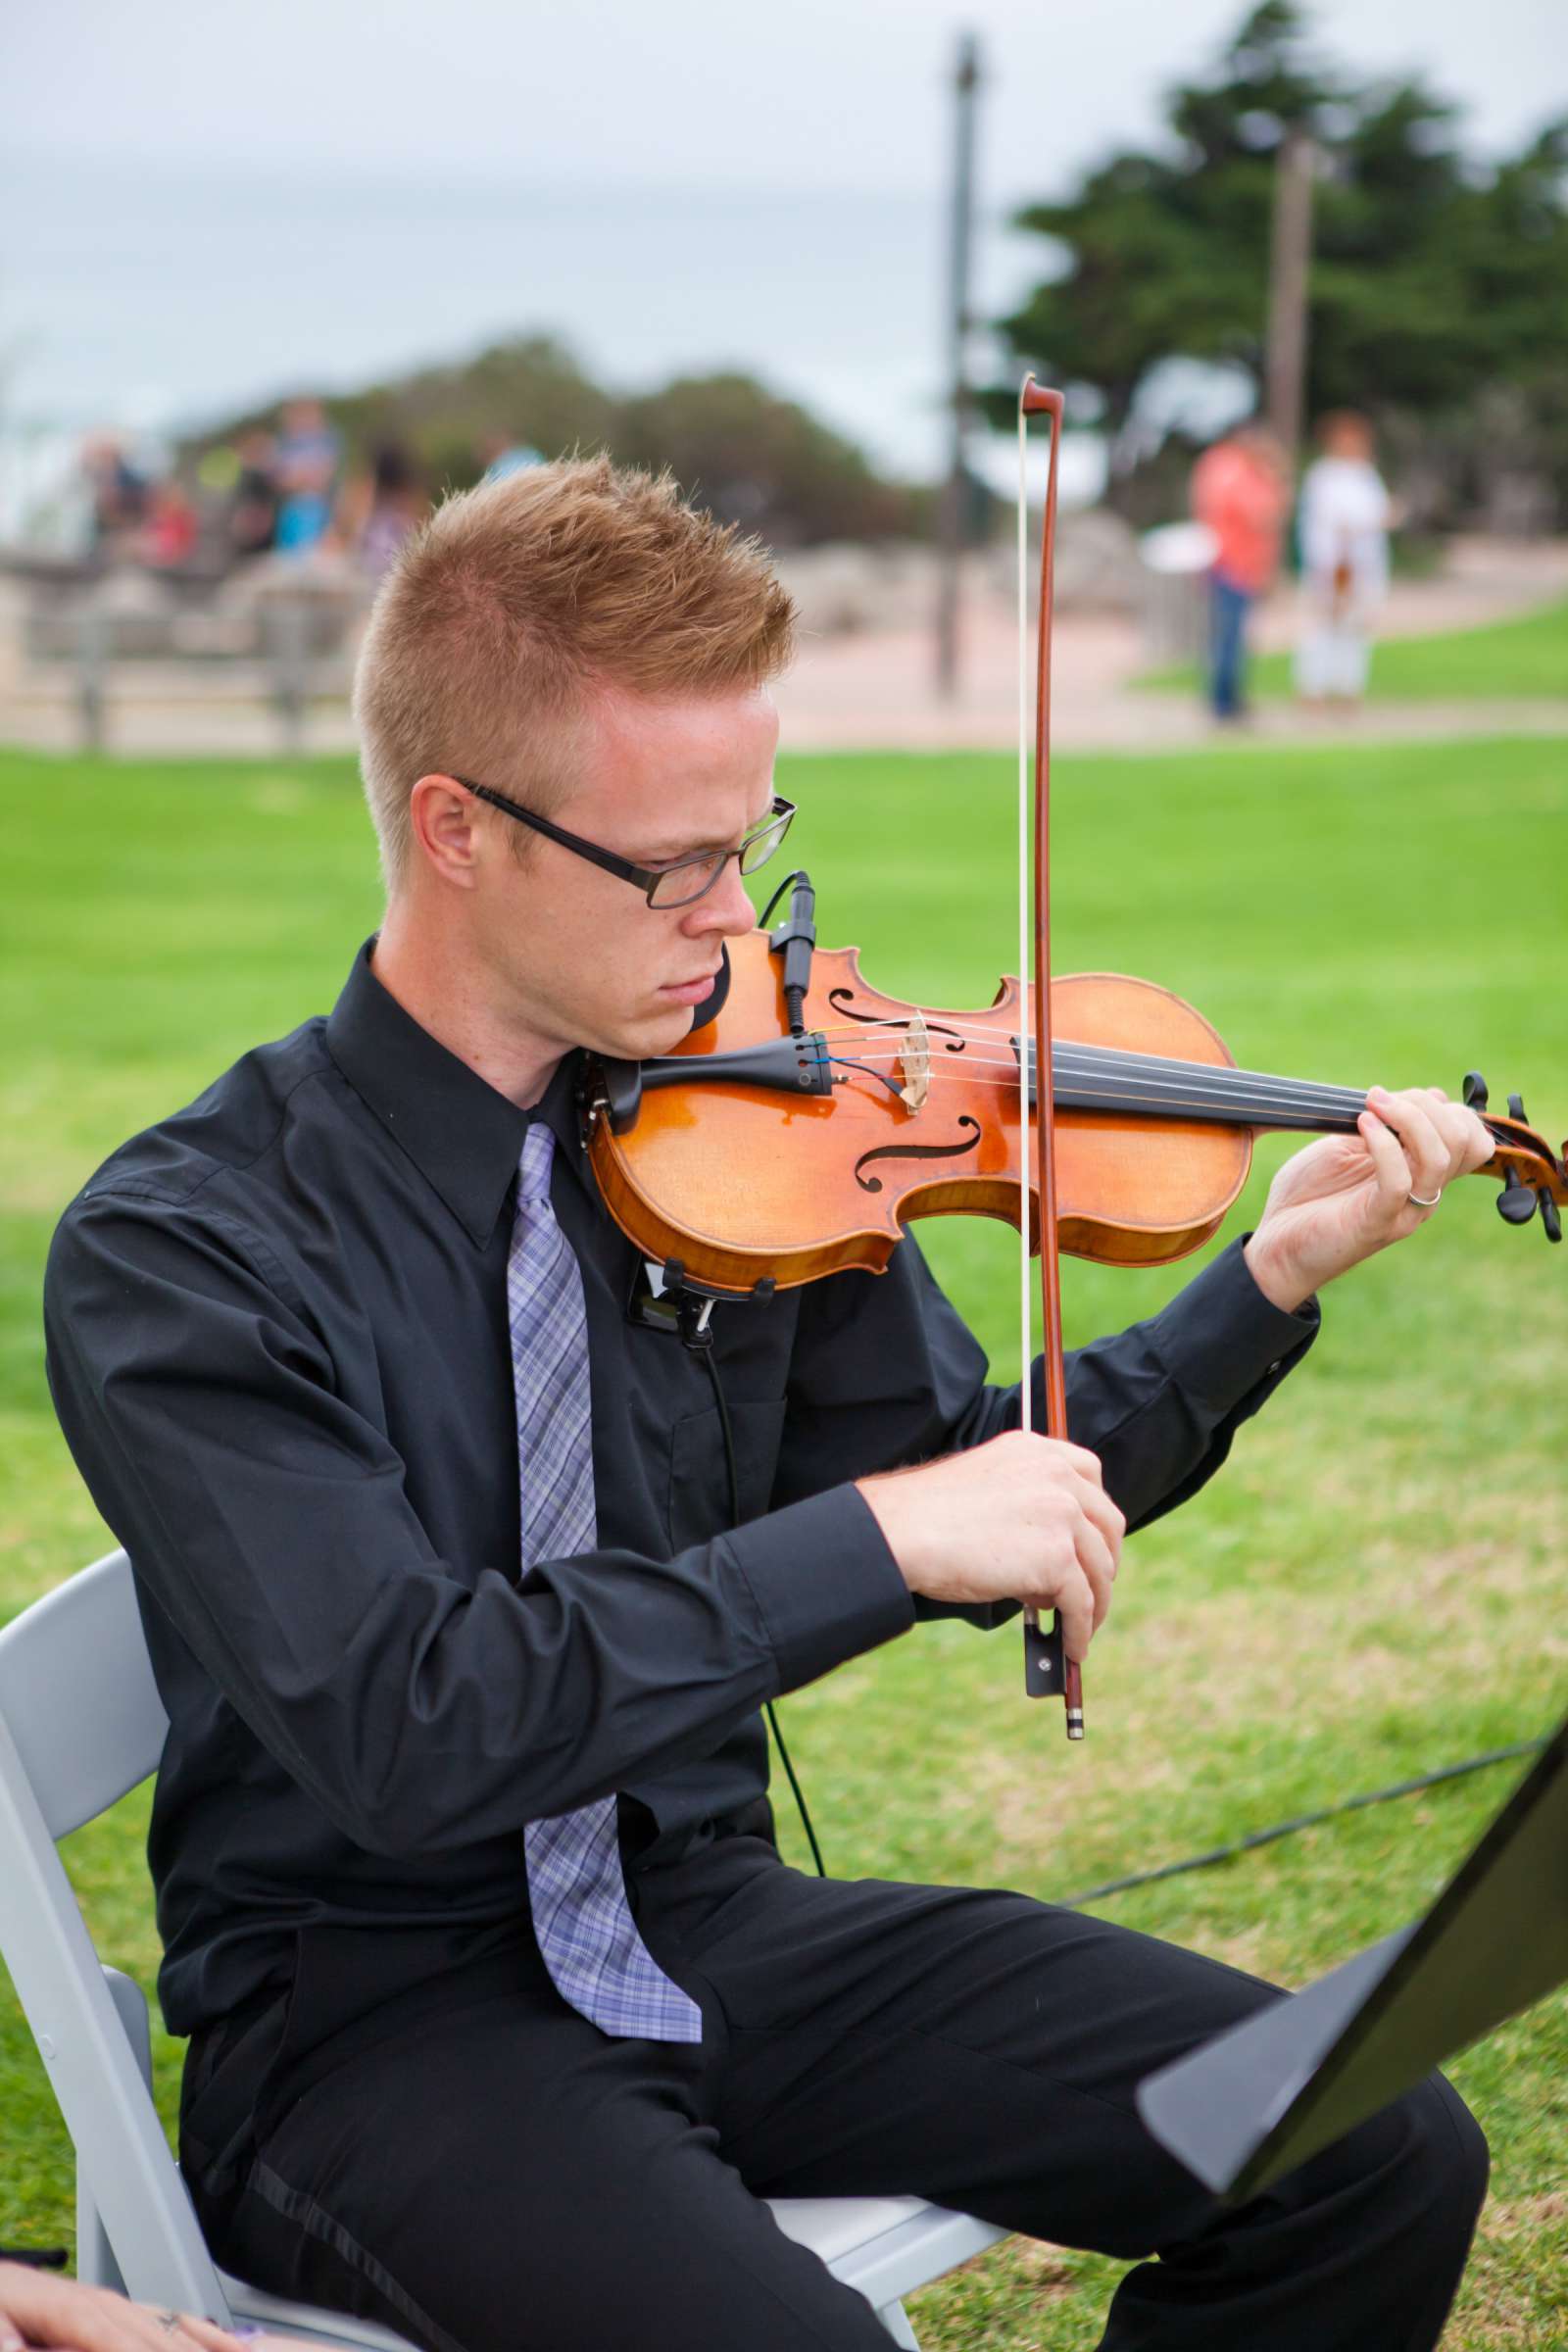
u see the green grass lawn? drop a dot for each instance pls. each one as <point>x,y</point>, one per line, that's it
<point>1524,660</point>
<point>1371,1589</point>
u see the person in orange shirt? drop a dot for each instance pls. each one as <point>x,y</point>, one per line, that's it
<point>1241,489</point>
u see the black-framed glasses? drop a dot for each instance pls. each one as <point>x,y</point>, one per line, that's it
<point>678,884</point>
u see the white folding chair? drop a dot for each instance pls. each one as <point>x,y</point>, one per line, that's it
<point>80,1724</point>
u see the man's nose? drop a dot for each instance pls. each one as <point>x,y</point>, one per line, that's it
<point>725,909</point>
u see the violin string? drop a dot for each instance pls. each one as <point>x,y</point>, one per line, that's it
<point>1208,1077</point>
<point>1248,1112</point>
<point>1087,1071</point>
<point>1173,1104</point>
<point>1191,1081</point>
<point>941,1025</point>
<point>1243,1108</point>
<point>1068,1054</point>
<point>1090,1066</point>
<point>1122,1056</point>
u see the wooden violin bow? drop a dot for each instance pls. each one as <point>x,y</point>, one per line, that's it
<point>1047,1670</point>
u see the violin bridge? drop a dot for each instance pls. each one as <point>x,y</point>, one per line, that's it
<point>914,1064</point>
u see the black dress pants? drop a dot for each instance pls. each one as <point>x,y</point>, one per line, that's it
<point>450,2149</point>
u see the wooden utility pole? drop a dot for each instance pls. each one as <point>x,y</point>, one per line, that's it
<point>1285,365</point>
<point>955,494</point>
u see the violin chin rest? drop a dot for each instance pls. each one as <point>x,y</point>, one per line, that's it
<point>713,1004</point>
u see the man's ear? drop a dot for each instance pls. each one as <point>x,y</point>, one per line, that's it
<point>444,822</point>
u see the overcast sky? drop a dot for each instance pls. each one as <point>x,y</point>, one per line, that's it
<point>204,206</point>
<point>829,92</point>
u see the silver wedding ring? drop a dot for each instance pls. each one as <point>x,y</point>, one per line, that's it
<point>1417,1200</point>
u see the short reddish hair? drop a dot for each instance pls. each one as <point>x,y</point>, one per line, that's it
<point>518,600</point>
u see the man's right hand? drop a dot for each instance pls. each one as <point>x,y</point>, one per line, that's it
<point>1020,1518</point>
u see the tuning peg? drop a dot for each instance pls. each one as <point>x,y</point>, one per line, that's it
<point>1516,1109</point>
<point>1550,1218</point>
<point>1475,1090</point>
<point>1516,1203</point>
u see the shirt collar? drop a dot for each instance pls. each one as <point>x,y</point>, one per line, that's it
<point>462,1135</point>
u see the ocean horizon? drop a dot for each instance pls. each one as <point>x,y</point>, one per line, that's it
<point>152,301</point>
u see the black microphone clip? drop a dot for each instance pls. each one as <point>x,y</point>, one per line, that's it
<point>794,940</point>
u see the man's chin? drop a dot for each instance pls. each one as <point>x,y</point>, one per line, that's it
<point>658,1032</point>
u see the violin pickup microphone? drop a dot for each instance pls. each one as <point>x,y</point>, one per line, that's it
<point>794,940</point>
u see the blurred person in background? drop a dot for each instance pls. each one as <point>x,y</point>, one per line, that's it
<point>306,469</point>
<point>501,454</point>
<point>1241,489</point>
<point>1344,517</point>
<point>117,496</point>
<point>254,500</point>
<point>168,537</point>
<point>379,510</point>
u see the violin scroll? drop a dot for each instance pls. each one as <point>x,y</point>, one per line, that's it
<point>1532,1175</point>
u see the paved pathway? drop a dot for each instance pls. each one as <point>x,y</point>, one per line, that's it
<point>872,689</point>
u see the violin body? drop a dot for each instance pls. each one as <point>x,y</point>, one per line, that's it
<point>741,1185</point>
<point>875,1112</point>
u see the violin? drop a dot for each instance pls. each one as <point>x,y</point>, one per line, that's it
<point>809,1118</point>
<point>764,1153</point>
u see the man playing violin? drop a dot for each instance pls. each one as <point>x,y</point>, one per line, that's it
<point>505,2015</point>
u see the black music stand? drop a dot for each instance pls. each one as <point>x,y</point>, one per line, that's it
<point>1254,2102</point>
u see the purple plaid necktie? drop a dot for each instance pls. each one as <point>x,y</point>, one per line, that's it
<point>581,1917</point>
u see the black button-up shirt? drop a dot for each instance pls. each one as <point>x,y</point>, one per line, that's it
<point>278,1344</point>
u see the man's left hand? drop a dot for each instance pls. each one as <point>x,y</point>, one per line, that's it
<point>1347,1197</point>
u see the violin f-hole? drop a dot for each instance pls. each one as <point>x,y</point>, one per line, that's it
<point>842,1000</point>
<point>971,1129</point>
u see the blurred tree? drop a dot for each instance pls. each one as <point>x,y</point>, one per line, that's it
<point>761,462</point>
<point>734,447</point>
<point>453,417</point>
<point>1432,279</point>
<point>529,390</point>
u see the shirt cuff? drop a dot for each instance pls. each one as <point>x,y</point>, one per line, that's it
<point>1220,1337</point>
<point>825,1584</point>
